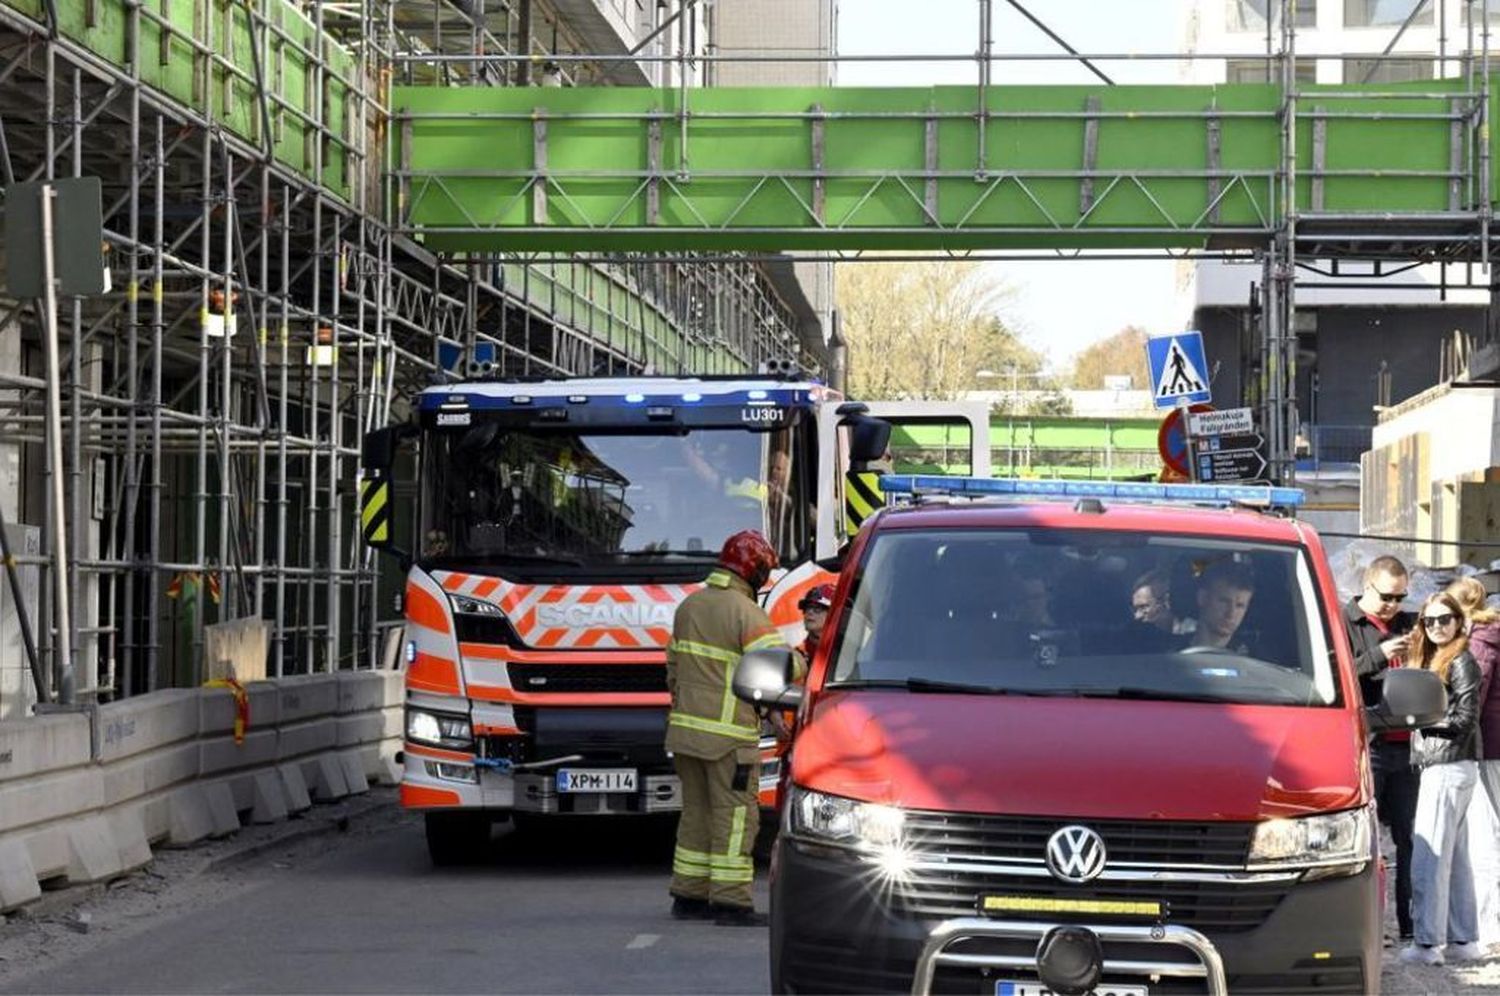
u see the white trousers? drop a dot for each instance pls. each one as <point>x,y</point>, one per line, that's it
<point>1444,908</point>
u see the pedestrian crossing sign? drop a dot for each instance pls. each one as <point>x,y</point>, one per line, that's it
<point>1179,369</point>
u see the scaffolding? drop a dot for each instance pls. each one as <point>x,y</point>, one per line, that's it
<point>266,314</point>
<point>276,297</point>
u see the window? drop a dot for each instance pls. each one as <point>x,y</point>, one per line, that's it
<point>1384,13</point>
<point>1250,15</point>
<point>1254,71</point>
<point>1038,611</point>
<point>1387,70</point>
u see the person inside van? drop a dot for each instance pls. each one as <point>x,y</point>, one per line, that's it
<point>1224,594</point>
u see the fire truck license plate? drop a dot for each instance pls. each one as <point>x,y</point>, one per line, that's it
<point>1037,989</point>
<point>596,780</point>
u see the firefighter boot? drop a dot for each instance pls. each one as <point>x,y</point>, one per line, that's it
<point>739,916</point>
<point>684,908</point>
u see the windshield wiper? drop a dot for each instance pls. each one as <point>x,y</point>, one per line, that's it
<point>695,554</point>
<point>1140,692</point>
<point>931,685</point>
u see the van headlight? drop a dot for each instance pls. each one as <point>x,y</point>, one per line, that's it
<point>438,729</point>
<point>1327,846</point>
<point>836,820</point>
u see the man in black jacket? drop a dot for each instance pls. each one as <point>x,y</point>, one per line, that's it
<point>1379,631</point>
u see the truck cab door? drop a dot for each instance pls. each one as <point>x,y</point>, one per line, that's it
<point>928,437</point>
<point>937,437</point>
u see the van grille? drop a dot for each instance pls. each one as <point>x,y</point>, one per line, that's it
<point>1208,906</point>
<point>1149,842</point>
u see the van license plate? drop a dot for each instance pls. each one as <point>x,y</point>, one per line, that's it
<point>596,780</point>
<point>1006,988</point>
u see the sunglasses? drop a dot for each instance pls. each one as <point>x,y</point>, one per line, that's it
<point>1389,598</point>
<point>1438,622</point>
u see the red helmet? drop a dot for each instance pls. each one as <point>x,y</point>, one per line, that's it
<point>747,554</point>
<point>820,596</point>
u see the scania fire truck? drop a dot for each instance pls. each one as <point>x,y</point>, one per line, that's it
<point>558,524</point>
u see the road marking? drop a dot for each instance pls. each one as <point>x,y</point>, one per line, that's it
<point>642,941</point>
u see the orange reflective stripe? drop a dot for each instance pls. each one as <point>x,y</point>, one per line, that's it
<point>578,655</point>
<point>422,797</point>
<point>437,753</point>
<point>490,729</point>
<point>499,693</point>
<point>455,581</point>
<point>432,674</point>
<point>486,588</point>
<point>425,610</point>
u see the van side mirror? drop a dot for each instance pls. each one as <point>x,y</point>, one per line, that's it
<point>1410,698</point>
<point>763,678</point>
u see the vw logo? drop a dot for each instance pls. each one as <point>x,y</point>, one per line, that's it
<point>1075,854</point>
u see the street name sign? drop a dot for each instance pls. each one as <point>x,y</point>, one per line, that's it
<point>1228,422</point>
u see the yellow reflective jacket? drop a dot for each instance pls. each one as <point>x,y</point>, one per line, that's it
<point>712,629</point>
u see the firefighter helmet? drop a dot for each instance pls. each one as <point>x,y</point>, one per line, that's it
<point>820,596</point>
<point>747,554</point>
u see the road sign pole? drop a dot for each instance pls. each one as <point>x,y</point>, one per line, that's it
<point>1183,409</point>
<point>62,665</point>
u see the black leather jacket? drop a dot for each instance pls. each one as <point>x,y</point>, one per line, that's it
<point>1456,738</point>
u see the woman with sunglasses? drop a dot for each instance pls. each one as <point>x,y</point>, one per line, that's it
<point>1484,644</point>
<point>1444,910</point>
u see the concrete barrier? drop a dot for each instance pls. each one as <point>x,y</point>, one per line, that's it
<point>85,796</point>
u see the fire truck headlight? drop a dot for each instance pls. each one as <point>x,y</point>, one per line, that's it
<point>473,606</point>
<point>1326,845</point>
<point>438,729</point>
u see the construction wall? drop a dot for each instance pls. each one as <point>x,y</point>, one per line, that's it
<point>1433,473</point>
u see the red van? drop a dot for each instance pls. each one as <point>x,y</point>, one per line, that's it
<point>1011,775</point>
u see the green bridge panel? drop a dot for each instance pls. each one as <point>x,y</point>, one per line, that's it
<point>171,63</point>
<point>478,173</point>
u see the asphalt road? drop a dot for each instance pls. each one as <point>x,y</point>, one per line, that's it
<point>566,910</point>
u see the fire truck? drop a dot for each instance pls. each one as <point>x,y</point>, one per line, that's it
<point>557,525</point>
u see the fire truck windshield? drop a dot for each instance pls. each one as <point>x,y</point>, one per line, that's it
<point>498,494</point>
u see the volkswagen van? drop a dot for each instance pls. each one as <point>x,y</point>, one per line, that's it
<point>1003,781</point>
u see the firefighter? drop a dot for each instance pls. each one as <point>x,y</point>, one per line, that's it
<point>714,737</point>
<point>814,605</point>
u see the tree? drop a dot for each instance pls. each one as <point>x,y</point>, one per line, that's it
<point>924,329</point>
<point>1122,353</point>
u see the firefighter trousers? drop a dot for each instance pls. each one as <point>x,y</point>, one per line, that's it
<point>716,831</point>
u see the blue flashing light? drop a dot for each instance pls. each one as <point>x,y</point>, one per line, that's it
<point>757,395</point>
<point>1196,494</point>
<point>635,399</point>
<point>692,397</point>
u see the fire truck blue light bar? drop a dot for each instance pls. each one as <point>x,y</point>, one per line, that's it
<point>1195,494</point>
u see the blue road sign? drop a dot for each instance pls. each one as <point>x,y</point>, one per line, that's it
<point>1179,369</point>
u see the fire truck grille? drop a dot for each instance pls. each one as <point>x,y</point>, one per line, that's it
<point>556,678</point>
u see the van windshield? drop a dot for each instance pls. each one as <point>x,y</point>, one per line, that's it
<point>1087,613</point>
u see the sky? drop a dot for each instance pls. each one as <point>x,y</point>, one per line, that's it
<point>1059,306</point>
